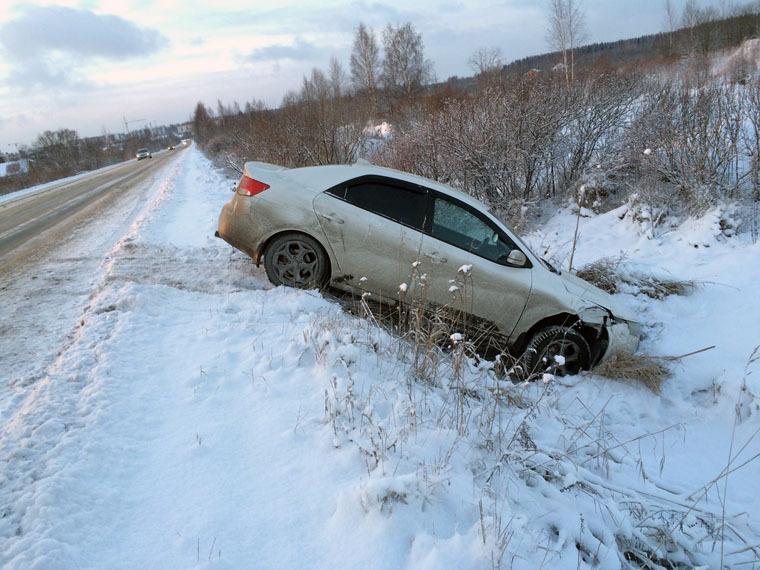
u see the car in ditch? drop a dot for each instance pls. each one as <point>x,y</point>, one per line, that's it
<point>367,229</point>
<point>143,153</point>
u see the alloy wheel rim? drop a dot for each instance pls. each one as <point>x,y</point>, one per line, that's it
<point>569,350</point>
<point>295,262</point>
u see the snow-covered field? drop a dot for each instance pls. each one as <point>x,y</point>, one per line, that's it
<point>198,417</point>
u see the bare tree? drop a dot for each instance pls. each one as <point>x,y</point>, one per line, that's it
<point>58,151</point>
<point>487,64</point>
<point>691,14</point>
<point>405,69</point>
<point>670,22</point>
<point>365,64</point>
<point>697,19</point>
<point>337,78</point>
<point>202,123</point>
<point>566,30</point>
<point>485,60</point>
<point>727,8</point>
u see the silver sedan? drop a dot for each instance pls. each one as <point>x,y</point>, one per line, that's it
<point>367,229</point>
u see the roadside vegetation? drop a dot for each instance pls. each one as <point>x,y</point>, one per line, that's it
<point>387,447</point>
<point>672,127</point>
<point>613,275</point>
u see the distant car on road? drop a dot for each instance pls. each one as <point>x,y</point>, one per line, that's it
<point>365,229</point>
<point>170,147</point>
<point>143,153</point>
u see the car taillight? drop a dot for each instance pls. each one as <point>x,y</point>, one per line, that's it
<point>250,187</point>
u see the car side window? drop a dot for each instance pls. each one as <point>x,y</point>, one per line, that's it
<point>462,228</point>
<point>402,205</point>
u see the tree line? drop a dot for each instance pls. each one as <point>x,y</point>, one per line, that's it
<point>696,30</point>
<point>323,122</point>
<point>60,153</point>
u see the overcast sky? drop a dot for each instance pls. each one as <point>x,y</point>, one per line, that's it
<point>85,64</point>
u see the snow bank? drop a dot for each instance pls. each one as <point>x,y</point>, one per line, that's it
<point>375,136</point>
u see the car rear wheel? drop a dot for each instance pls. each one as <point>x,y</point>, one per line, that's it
<point>557,349</point>
<point>296,260</point>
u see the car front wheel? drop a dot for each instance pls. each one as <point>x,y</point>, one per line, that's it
<point>556,349</point>
<point>296,260</point>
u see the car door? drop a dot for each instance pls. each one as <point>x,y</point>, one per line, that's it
<point>465,255</point>
<point>374,226</point>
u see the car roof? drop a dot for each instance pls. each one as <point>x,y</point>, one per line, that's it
<point>320,178</point>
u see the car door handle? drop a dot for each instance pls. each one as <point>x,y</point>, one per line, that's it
<point>331,218</point>
<point>435,257</point>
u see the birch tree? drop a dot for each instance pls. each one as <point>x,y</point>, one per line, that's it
<point>365,64</point>
<point>405,69</point>
<point>670,22</point>
<point>566,30</point>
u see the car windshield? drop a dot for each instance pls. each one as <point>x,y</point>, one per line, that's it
<point>143,150</point>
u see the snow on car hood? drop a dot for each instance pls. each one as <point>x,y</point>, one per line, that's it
<point>592,295</point>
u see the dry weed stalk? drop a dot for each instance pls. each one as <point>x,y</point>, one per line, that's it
<point>649,370</point>
<point>609,273</point>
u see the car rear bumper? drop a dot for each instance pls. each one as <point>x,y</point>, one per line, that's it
<point>231,230</point>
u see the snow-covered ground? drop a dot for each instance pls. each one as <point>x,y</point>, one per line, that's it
<point>198,417</point>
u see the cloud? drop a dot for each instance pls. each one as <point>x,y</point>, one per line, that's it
<point>300,50</point>
<point>48,74</point>
<point>46,45</point>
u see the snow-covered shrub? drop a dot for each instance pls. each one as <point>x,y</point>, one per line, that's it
<point>675,147</point>
<point>684,147</point>
<point>514,144</point>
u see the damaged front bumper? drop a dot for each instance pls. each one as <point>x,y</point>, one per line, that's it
<point>622,335</point>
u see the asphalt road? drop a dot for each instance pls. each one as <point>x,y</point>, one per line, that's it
<point>32,223</point>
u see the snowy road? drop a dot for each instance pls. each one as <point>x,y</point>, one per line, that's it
<point>52,246</point>
<point>162,406</point>
<point>27,215</point>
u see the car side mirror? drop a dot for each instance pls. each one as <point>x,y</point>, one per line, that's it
<point>517,258</point>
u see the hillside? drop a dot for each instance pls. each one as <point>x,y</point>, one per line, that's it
<point>653,49</point>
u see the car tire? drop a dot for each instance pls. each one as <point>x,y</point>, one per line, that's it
<point>551,341</point>
<point>296,260</point>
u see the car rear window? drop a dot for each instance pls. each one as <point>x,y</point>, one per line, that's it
<point>402,205</point>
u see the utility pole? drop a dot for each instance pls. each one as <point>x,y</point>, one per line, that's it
<point>127,123</point>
